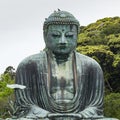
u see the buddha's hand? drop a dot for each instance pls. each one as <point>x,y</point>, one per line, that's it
<point>37,112</point>
<point>72,115</point>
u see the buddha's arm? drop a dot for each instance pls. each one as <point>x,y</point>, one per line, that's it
<point>94,95</point>
<point>27,75</point>
<point>25,97</point>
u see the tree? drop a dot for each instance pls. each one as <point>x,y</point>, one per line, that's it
<point>6,78</point>
<point>11,71</point>
<point>101,41</point>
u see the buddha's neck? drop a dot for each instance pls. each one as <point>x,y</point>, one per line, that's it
<point>60,58</point>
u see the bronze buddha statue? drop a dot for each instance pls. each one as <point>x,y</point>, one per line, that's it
<point>61,84</point>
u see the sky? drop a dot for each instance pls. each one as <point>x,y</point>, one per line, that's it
<point>21,23</point>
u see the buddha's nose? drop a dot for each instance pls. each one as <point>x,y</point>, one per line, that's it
<point>63,40</point>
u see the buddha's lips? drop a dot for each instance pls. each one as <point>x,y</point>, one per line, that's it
<point>62,46</point>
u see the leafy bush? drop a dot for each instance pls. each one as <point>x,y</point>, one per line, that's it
<point>116,62</point>
<point>114,43</point>
<point>5,93</point>
<point>101,41</point>
<point>112,105</point>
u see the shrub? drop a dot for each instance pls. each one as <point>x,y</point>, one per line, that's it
<point>112,105</point>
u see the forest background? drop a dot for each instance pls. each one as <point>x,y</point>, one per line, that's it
<point>99,40</point>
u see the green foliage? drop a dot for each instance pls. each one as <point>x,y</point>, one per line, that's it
<point>96,33</point>
<point>116,62</point>
<point>114,79</point>
<point>5,93</point>
<point>112,26</point>
<point>114,43</point>
<point>112,105</point>
<point>101,41</point>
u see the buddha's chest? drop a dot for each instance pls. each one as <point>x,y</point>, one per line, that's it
<point>62,88</point>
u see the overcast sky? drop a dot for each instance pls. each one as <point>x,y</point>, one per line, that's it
<point>21,23</point>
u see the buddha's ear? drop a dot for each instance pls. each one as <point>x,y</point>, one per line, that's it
<point>45,36</point>
<point>45,31</point>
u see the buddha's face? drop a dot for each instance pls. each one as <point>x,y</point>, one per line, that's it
<point>61,39</point>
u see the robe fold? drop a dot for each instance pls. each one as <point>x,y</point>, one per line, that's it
<point>88,100</point>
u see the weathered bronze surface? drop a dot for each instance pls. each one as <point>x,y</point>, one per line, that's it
<point>61,84</point>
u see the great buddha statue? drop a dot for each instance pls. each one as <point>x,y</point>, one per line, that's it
<point>61,84</point>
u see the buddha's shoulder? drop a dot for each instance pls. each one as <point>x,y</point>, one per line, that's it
<point>33,58</point>
<point>86,59</point>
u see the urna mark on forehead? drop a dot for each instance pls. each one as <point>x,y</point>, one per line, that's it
<point>61,18</point>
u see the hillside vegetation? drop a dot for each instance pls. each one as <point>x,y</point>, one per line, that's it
<point>6,93</point>
<point>101,40</point>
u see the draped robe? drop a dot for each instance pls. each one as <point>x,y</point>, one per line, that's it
<point>33,72</point>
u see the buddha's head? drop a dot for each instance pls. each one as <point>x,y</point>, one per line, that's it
<point>60,32</point>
